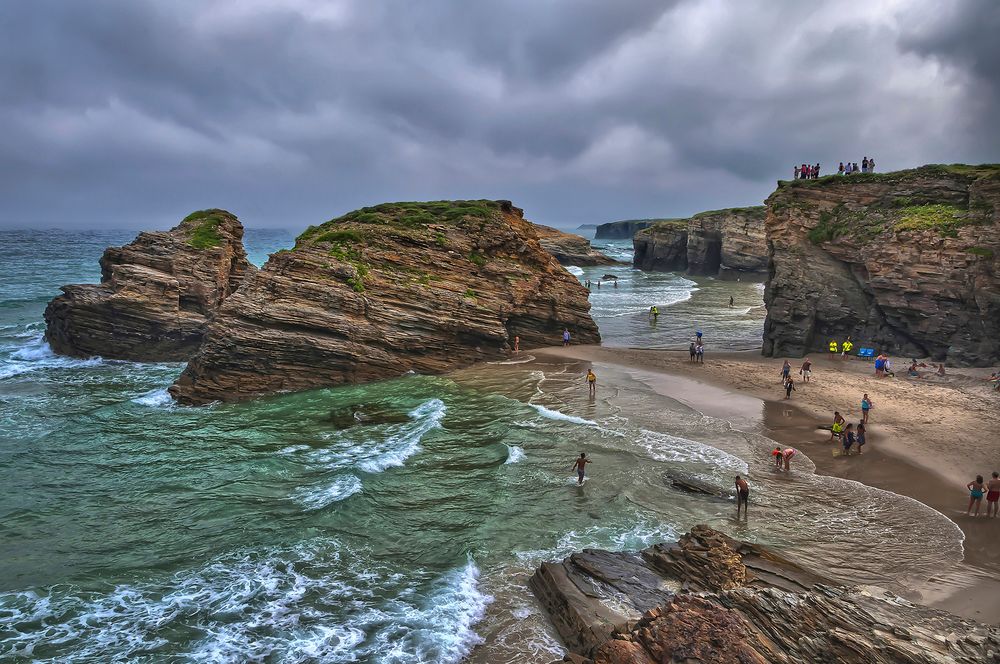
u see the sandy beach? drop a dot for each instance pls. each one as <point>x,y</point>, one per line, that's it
<point>927,438</point>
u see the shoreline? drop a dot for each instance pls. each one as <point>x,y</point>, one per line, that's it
<point>903,455</point>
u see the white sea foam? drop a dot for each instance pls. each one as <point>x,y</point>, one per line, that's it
<point>574,270</point>
<point>315,498</point>
<point>313,601</point>
<point>292,449</point>
<point>563,417</point>
<point>665,447</point>
<point>514,454</point>
<point>156,399</point>
<point>36,355</point>
<point>641,534</point>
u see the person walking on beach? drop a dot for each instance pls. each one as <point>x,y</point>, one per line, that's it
<point>565,336</point>
<point>833,349</point>
<point>694,351</point>
<point>806,370</point>
<point>862,430</point>
<point>848,439</point>
<point>699,352</point>
<point>838,425</point>
<point>742,496</point>
<point>731,302</point>
<point>579,466</point>
<point>976,491</point>
<point>786,369</point>
<point>993,495</point>
<point>592,381</point>
<point>866,405</point>
<point>789,387</point>
<point>845,348</point>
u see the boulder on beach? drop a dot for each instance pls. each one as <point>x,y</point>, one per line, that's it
<point>156,294</point>
<point>387,290</point>
<point>710,598</point>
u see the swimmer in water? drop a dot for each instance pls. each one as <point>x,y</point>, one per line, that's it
<point>742,496</point>
<point>592,381</point>
<point>579,466</point>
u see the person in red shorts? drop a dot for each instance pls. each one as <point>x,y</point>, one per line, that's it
<point>993,495</point>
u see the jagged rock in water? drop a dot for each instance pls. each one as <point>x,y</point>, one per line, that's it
<point>570,249</point>
<point>623,230</point>
<point>707,243</point>
<point>156,294</point>
<point>709,598</point>
<point>905,262</point>
<point>379,292</point>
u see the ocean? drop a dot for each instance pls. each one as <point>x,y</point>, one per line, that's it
<point>135,530</point>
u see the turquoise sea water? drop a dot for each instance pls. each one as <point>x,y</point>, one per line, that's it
<point>283,530</point>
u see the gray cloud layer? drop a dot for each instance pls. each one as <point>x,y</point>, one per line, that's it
<point>287,112</point>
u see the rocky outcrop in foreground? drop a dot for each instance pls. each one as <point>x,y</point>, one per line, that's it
<point>623,230</point>
<point>707,243</point>
<point>385,290</point>
<point>570,249</point>
<point>905,262</point>
<point>709,598</point>
<point>156,294</point>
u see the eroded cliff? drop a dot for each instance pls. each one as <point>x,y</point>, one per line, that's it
<point>379,292</point>
<point>709,598</point>
<point>707,243</point>
<point>156,294</point>
<point>904,262</point>
<point>570,249</point>
<point>623,230</point>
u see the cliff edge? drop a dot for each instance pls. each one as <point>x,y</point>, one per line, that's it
<point>379,292</point>
<point>905,262</point>
<point>707,243</point>
<point>156,294</point>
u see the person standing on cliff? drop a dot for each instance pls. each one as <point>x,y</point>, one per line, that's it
<point>797,171</point>
<point>864,165</point>
<point>579,466</point>
<point>816,171</point>
<point>840,169</point>
<point>742,496</point>
<point>871,164</point>
<point>565,336</point>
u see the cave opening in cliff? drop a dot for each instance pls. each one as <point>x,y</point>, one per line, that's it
<point>713,255</point>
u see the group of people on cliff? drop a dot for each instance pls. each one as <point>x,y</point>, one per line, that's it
<point>811,171</point>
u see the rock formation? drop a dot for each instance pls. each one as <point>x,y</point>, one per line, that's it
<point>905,262</point>
<point>709,598</point>
<point>623,230</point>
<point>379,292</point>
<point>570,249</point>
<point>156,294</point>
<point>707,243</point>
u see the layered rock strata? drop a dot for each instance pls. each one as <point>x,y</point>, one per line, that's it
<point>905,262</point>
<point>623,230</point>
<point>156,294</point>
<point>709,598</point>
<point>385,290</point>
<point>707,243</point>
<point>570,249</point>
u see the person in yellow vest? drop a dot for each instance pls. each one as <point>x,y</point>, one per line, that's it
<point>833,348</point>
<point>846,348</point>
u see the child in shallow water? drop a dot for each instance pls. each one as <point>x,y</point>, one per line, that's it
<point>848,439</point>
<point>861,436</point>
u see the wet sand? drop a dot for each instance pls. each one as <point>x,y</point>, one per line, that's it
<point>926,439</point>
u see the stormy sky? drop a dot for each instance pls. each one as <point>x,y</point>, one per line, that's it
<point>132,113</point>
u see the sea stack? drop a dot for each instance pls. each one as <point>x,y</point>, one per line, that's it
<point>905,262</point>
<point>570,249</point>
<point>709,243</point>
<point>385,290</point>
<point>156,294</point>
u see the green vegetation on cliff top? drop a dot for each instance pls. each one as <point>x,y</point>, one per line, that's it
<point>758,211</point>
<point>863,226</point>
<point>205,233</point>
<point>404,215</point>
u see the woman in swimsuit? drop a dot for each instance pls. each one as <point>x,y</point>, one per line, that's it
<point>976,491</point>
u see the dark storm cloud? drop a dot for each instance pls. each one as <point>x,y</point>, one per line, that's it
<point>291,111</point>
